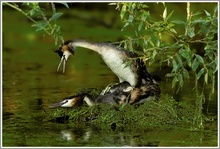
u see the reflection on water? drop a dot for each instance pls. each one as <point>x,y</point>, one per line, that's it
<point>67,135</point>
<point>112,139</point>
<point>31,83</point>
<point>88,136</point>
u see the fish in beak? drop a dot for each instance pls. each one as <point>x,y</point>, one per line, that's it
<point>64,51</point>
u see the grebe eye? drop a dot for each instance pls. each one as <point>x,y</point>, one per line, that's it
<point>65,101</point>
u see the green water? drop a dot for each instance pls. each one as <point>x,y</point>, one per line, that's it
<point>30,83</point>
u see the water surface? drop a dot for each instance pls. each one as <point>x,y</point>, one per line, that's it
<point>31,83</point>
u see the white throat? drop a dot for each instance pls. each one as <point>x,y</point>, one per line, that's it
<point>66,55</point>
<point>88,101</point>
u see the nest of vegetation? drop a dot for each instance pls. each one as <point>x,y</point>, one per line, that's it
<point>165,113</point>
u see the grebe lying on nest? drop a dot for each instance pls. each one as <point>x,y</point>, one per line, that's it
<point>118,94</point>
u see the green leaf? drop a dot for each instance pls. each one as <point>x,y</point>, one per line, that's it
<point>40,25</point>
<point>189,62</point>
<point>180,79</point>
<point>144,5</point>
<point>144,16</point>
<point>36,11</point>
<point>140,26</point>
<point>169,15</point>
<point>207,13</point>
<point>130,18</point>
<point>170,25</point>
<point>170,74</point>
<point>199,58</point>
<point>154,40</point>
<point>197,13</point>
<point>151,42</point>
<point>32,12</point>
<point>158,43</point>
<point>200,73</point>
<point>131,6</point>
<point>174,65</point>
<point>123,11</point>
<point>206,78</point>
<point>130,46</point>
<point>216,66</point>
<point>126,24</point>
<point>200,20</point>
<point>165,13</point>
<point>185,73</point>
<point>55,16</point>
<point>191,32</point>
<point>185,53</point>
<point>125,45</point>
<point>208,48</point>
<point>195,64</point>
<point>173,30</point>
<point>57,27</point>
<point>178,22</point>
<point>179,60</point>
<point>204,28</point>
<point>154,54</point>
<point>174,82</point>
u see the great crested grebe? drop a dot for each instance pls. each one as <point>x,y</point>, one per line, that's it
<point>114,57</point>
<point>141,83</point>
<point>118,94</point>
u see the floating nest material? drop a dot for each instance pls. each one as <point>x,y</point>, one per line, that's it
<point>165,113</point>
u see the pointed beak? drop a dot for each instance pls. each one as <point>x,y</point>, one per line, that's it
<point>68,102</point>
<point>64,51</point>
<point>63,60</point>
<point>58,104</point>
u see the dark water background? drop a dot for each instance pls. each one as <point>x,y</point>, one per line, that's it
<point>31,83</point>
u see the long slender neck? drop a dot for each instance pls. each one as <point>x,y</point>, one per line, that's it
<point>89,101</point>
<point>89,45</point>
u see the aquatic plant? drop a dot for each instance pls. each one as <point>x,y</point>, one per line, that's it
<point>192,55</point>
<point>164,114</point>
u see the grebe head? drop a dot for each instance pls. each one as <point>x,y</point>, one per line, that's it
<point>64,51</point>
<point>68,102</point>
